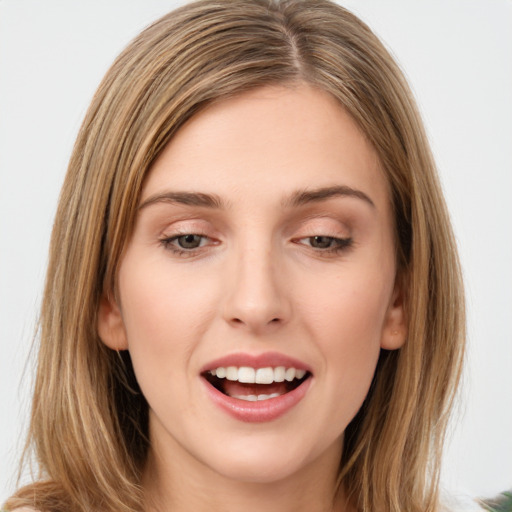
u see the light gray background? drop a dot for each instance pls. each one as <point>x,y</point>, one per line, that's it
<point>458,57</point>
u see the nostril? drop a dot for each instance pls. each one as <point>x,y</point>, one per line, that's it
<point>239,321</point>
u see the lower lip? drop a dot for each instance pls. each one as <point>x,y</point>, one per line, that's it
<point>261,410</point>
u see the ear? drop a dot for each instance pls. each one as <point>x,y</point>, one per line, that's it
<point>394,330</point>
<point>110,324</point>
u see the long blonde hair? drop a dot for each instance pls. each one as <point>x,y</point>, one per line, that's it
<point>88,426</point>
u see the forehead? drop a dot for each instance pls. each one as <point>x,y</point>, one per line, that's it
<point>266,143</point>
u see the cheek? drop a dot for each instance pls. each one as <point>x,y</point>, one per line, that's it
<point>164,316</point>
<point>349,307</point>
<point>347,317</point>
<point>161,307</point>
<point>352,330</point>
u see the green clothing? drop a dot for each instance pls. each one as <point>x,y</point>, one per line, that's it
<point>503,503</point>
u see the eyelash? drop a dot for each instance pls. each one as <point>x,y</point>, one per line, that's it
<point>337,245</point>
<point>167,243</point>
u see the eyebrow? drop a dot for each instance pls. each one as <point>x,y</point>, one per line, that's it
<point>303,197</point>
<point>186,198</point>
<point>298,198</point>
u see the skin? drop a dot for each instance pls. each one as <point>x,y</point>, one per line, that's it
<point>257,282</point>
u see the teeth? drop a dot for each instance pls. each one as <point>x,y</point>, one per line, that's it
<point>290,374</point>
<point>299,374</point>
<point>264,376</point>
<point>254,398</point>
<point>232,373</point>
<point>279,374</point>
<point>248,375</point>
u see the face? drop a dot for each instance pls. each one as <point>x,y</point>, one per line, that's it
<point>258,286</point>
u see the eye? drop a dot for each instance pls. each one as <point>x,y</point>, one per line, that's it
<point>184,244</point>
<point>321,242</point>
<point>189,241</point>
<point>328,244</point>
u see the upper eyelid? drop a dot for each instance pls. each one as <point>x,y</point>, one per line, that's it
<point>188,226</point>
<point>337,231</point>
<point>171,231</point>
<point>322,216</point>
<point>322,224</point>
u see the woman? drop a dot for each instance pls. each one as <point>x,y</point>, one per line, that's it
<point>251,205</point>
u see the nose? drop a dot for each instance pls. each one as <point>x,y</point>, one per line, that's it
<point>257,298</point>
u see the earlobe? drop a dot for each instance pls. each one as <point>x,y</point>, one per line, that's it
<point>110,324</point>
<point>394,331</point>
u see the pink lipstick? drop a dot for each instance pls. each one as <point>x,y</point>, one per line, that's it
<point>256,388</point>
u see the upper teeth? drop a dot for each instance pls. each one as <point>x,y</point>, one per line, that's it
<point>250,375</point>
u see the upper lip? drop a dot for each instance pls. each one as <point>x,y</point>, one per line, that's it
<point>264,360</point>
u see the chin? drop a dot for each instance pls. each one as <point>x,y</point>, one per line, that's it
<point>269,460</point>
<point>259,471</point>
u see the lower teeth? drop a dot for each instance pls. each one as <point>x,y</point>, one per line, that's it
<point>254,398</point>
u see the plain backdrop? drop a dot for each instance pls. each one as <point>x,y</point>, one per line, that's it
<point>457,55</point>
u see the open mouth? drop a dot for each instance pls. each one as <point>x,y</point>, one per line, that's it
<point>255,384</point>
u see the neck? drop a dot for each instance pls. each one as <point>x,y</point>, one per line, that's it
<point>194,487</point>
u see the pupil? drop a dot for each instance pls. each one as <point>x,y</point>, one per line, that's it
<point>189,241</point>
<point>321,242</point>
